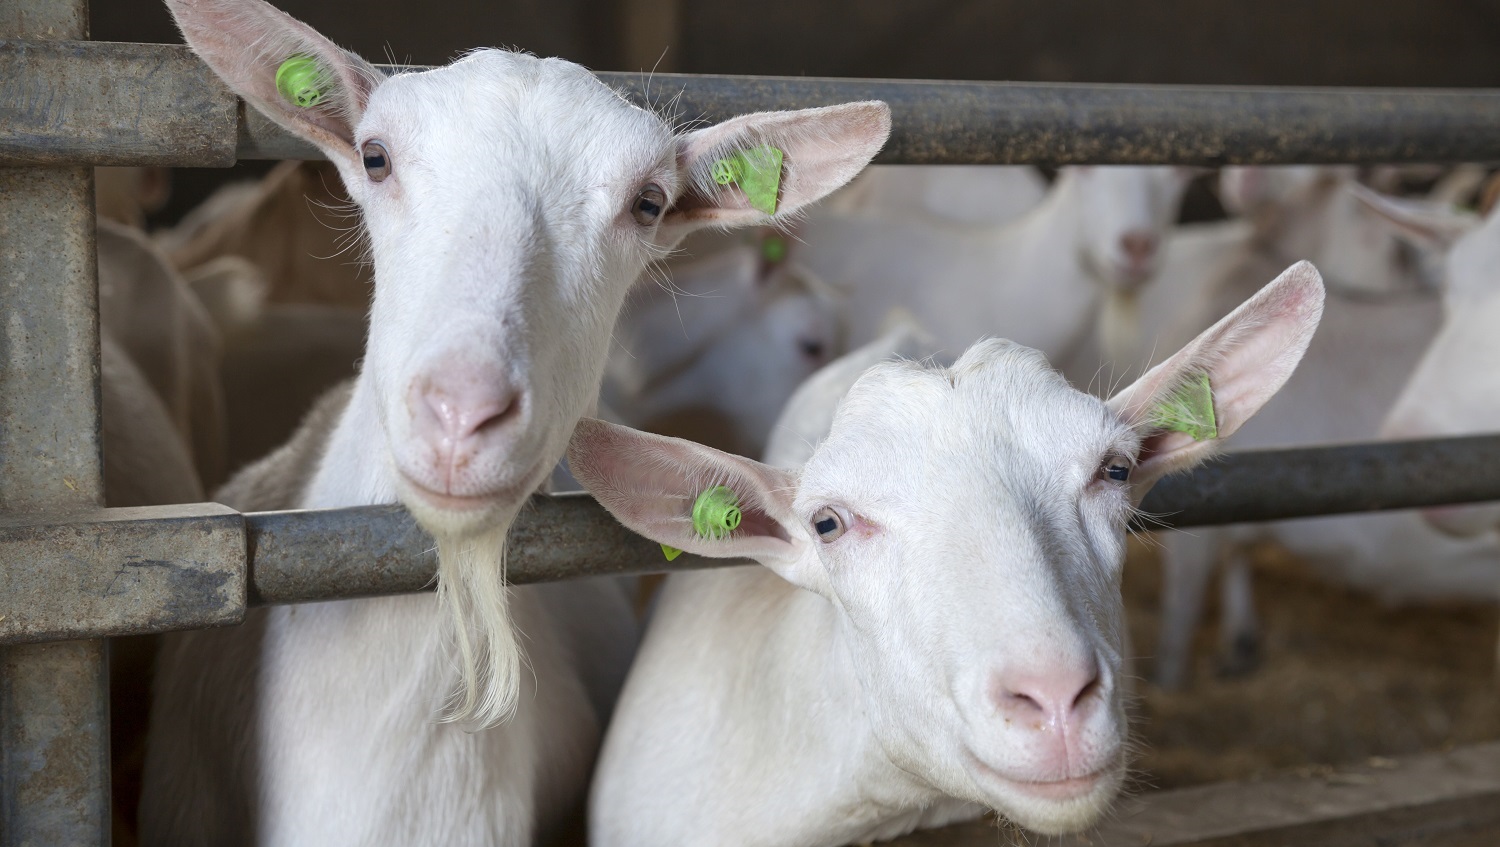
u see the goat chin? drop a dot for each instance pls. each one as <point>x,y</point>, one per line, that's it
<point>473,594</point>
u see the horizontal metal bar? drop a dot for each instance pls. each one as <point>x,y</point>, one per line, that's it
<point>324,555</point>
<point>83,102</point>
<point>56,104</point>
<point>196,561</point>
<point>121,572</point>
<point>376,550</point>
<point>1267,485</point>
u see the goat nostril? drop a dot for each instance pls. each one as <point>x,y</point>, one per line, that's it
<point>1090,688</point>
<point>1022,699</point>
<point>508,408</point>
<point>1139,246</point>
<point>463,412</point>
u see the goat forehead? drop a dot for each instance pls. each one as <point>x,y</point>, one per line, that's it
<point>1000,420</point>
<point>547,117</point>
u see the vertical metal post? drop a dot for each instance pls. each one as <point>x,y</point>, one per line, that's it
<point>54,708</point>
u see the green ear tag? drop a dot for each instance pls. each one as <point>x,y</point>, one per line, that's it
<point>301,81</point>
<point>758,173</point>
<point>716,513</point>
<point>1189,410</point>
<point>773,249</point>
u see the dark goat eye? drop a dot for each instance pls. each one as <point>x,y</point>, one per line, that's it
<point>828,525</point>
<point>648,205</point>
<point>1116,468</point>
<point>377,160</point>
<point>812,348</point>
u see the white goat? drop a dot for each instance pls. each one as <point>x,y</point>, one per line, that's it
<point>510,202</point>
<point>1455,388</point>
<point>937,625</point>
<point>153,315</point>
<point>982,195</point>
<point>714,352</point>
<point>1040,279</point>
<point>1380,316</point>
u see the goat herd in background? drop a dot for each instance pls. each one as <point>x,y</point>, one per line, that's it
<point>934,627</point>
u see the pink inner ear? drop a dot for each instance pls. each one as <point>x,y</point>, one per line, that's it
<point>1161,443</point>
<point>650,483</point>
<point>245,42</point>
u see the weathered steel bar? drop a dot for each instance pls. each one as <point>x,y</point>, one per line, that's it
<point>92,103</point>
<point>1450,798</point>
<point>1264,485</point>
<point>121,572</point>
<point>54,698</point>
<point>937,122</point>
<point>325,555</point>
<point>77,102</point>
<point>178,567</point>
<point>374,550</point>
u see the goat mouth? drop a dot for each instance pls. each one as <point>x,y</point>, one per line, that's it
<point>467,504</point>
<point>1055,790</point>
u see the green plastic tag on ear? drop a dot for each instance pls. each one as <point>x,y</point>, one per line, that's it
<point>773,249</point>
<point>758,173</point>
<point>1189,410</point>
<point>301,81</point>
<point>716,512</point>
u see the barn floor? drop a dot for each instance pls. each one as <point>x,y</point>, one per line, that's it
<point>1343,679</point>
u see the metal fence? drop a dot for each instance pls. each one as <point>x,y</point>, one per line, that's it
<point>72,572</point>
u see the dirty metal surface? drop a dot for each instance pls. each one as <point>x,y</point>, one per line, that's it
<point>49,340</point>
<point>81,102</point>
<point>937,122</point>
<point>46,20</point>
<point>317,555</point>
<point>1265,485</point>
<point>304,556</point>
<point>54,698</point>
<point>1068,124</point>
<point>121,572</point>
<point>156,104</point>
<point>54,753</point>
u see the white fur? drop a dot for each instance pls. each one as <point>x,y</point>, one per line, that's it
<point>503,242</point>
<point>1039,279</point>
<point>726,336</point>
<point>1455,388</point>
<point>1380,316</point>
<point>863,688</point>
<point>981,195</point>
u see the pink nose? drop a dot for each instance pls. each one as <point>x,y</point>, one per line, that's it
<point>460,412</point>
<point>1139,247</point>
<point>1056,699</point>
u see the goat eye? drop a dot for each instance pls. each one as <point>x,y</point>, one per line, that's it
<point>648,205</point>
<point>812,348</point>
<point>377,160</point>
<point>1116,468</point>
<point>828,525</point>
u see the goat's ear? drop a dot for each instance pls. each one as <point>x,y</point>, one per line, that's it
<point>821,149</point>
<point>245,42</point>
<point>1429,225</point>
<point>651,483</point>
<point>1185,406</point>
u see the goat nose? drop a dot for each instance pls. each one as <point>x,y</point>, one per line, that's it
<point>459,406</point>
<point>1139,246</point>
<point>1054,697</point>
